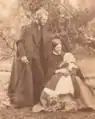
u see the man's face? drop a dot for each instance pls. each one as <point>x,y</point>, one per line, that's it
<point>43,20</point>
<point>58,48</point>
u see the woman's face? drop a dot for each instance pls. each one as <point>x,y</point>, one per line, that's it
<point>58,48</point>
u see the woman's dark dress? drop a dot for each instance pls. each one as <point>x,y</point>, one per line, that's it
<point>53,63</point>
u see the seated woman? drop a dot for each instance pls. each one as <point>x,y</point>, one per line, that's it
<point>65,88</point>
<point>59,92</point>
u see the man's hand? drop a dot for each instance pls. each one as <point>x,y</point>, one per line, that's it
<point>24,60</point>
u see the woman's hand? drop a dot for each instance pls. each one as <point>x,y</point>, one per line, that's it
<point>64,71</point>
<point>64,64</point>
<point>24,60</point>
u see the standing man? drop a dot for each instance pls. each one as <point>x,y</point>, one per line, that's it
<point>27,75</point>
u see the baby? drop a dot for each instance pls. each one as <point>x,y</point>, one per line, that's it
<point>68,65</point>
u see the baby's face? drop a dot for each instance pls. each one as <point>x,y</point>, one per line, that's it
<point>73,68</point>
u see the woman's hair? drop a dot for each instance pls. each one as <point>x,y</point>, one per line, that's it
<point>55,42</point>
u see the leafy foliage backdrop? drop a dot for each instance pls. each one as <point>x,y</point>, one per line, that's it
<point>74,27</point>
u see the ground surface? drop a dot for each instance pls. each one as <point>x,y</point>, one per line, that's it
<point>87,65</point>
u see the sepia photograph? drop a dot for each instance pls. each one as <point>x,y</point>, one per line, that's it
<point>47,59</point>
